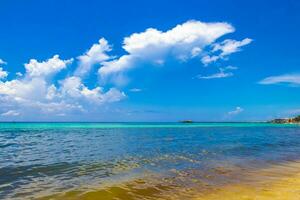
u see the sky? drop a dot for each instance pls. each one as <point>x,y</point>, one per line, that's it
<point>118,61</point>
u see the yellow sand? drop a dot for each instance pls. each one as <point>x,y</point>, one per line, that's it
<point>285,189</point>
<point>281,182</point>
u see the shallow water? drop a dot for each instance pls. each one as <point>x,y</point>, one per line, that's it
<point>143,160</point>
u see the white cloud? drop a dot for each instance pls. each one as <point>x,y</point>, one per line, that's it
<point>74,88</point>
<point>135,90</point>
<point>237,110</point>
<point>19,74</point>
<point>2,62</point>
<point>230,67</point>
<point>226,48</point>
<point>189,33</point>
<point>113,95</point>
<point>230,46</point>
<point>208,59</point>
<point>113,67</point>
<point>223,73</point>
<point>220,74</point>
<point>95,55</point>
<point>56,107</point>
<point>10,113</point>
<point>20,90</point>
<point>37,91</point>
<point>182,42</point>
<point>3,74</point>
<point>291,79</point>
<point>45,68</point>
<point>51,92</point>
<point>196,51</point>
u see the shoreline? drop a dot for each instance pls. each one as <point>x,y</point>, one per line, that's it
<point>253,184</point>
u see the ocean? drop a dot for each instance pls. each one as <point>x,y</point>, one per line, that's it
<point>146,160</point>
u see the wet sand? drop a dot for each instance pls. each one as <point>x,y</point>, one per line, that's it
<point>280,182</point>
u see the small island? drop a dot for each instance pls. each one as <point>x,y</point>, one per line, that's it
<point>186,121</point>
<point>294,120</point>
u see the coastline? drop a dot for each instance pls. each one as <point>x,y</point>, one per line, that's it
<point>253,184</point>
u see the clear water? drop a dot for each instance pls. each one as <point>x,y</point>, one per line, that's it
<point>40,159</point>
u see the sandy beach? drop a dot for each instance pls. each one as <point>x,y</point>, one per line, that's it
<point>280,182</point>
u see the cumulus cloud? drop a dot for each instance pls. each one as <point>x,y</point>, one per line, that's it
<point>114,68</point>
<point>45,68</point>
<point>20,90</point>
<point>182,42</point>
<point>95,55</point>
<point>225,48</point>
<point>290,79</point>
<point>237,110</point>
<point>39,89</point>
<point>36,90</point>
<point>74,88</point>
<point>3,74</point>
<point>223,73</point>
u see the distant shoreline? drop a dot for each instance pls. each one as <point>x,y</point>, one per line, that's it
<point>294,120</point>
<point>273,121</point>
<point>178,121</point>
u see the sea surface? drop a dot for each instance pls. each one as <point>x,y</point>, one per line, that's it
<point>147,160</point>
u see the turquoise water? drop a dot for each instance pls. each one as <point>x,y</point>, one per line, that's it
<point>45,125</point>
<point>49,158</point>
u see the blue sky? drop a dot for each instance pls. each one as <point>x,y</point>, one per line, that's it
<point>149,60</point>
